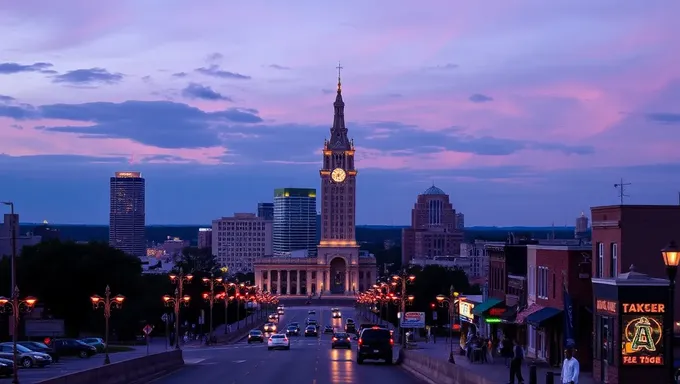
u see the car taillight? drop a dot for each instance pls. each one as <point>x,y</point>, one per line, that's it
<point>391,341</point>
<point>335,339</point>
<point>361,341</point>
<point>348,339</point>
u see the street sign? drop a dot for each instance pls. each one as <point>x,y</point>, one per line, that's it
<point>413,320</point>
<point>164,317</point>
<point>147,329</point>
<point>434,315</point>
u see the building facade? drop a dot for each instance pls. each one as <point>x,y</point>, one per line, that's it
<point>294,220</point>
<point>204,238</point>
<point>240,240</point>
<point>433,230</point>
<point>581,228</point>
<point>12,222</point>
<point>460,221</point>
<point>479,258</point>
<point>265,211</point>
<point>337,268</point>
<point>127,214</point>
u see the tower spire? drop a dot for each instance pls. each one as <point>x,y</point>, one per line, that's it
<point>339,139</point>
<point>339,68</point>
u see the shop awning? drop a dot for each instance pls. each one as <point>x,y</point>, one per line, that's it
<point>542,316</point>
<point>480,309</point>
<point>523,314</point>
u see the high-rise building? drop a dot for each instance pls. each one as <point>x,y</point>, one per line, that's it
<point>460,221</point>
<point>265,210</point>
<point>239,240</point>
<point>127,216</point>
<point>433,229</point>
<point>581,230</point>
<point>205,237</point>
<point>294,221</point>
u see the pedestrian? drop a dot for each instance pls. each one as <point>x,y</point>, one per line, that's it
<point>516,364</point>
<point>570,368</point>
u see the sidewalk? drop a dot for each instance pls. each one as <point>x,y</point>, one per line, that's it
<point>496,370</point>
<point>238,330</point>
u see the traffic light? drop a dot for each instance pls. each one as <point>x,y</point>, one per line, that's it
<point>432,305</point>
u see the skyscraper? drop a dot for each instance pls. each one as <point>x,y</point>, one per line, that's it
<point>265,211</point>
<point>127,216</point>
<point>294,220</point>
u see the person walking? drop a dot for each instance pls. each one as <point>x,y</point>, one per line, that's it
<point>516,364</point>
<point>570,368</point>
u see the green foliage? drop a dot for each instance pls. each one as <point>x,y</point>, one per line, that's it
<point>194,259</point>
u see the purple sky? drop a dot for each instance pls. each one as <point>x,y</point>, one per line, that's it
<point>525,112</point>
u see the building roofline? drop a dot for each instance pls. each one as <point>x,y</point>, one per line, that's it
<point>560,247</point>
<point>646,206</point>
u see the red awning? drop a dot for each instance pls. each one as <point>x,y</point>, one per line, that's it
<point>522,315</point>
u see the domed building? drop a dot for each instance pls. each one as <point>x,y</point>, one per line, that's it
<point>433,230</point>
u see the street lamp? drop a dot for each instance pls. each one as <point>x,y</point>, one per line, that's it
<point>403,278</point>
<point>671,258</point>
<point>211,298</point>
<point>175,301</point>
<point>16,305</point>
<point>451,303</point>
<point>107,302</point>
<point>14,243</point>
<point>179,279</point>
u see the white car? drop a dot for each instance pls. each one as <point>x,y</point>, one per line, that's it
<point>278,341</point>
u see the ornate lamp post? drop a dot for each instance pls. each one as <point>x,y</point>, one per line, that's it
<point>179,279</point>
<point>175,301</point>
<point>15,305</point>
<point>227,285</point>
<point>671,258</point>
<point>451,303</point>
<point>211,298</point>
<point>403,278</point>
<point>107,302</point>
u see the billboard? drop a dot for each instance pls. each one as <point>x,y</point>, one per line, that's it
<point>413,320</point>
<point>642,336</point>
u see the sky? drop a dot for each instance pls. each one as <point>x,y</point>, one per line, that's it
<point>525,112</point>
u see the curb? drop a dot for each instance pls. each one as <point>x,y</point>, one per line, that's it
<point>417,374</point>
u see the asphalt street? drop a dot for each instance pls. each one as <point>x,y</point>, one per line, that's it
<point>309,360</point>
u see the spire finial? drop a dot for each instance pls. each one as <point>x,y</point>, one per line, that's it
<point>339,68</point>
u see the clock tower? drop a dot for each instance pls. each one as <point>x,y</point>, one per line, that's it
<point>338,247</point>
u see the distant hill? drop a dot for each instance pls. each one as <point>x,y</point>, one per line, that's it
<point>365,233</point>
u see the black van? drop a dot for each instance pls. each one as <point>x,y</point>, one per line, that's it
<point>375,343</point>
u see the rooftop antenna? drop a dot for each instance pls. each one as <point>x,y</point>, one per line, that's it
<point>622,190</point>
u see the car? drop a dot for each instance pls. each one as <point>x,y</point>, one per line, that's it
<point>375,343</point>
<point>280,312</point>
<point>269,327</point>
<point>310,321</point>
<point>341,340</point>
<point>328,329</point>
<point>350,328</point>
<point>311,331</point>
<point>26,357</point>
<point>278,341</point>
<point>292,330</point>
<point>6,367</point>
<point>335,309</point>
<point>95,342</point>
<point>37,346</point>
<point>273,317</point>
<point>295,324</point>
<point>337,315</point>
<point>73,347</point>
<point>364,326</point>
<point>349,320</point>
<point>311,312</point>
<point>255,335</point>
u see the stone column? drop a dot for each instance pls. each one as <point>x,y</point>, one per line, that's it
<point>287,282</point>
<point>347,281</point>
<point>299,291</point>
<point>327,284</point>
<point>308,281</point>
<point>258,279</point>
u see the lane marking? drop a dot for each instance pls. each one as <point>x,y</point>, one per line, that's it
<point>238,361</point>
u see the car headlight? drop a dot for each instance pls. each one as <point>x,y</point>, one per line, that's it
<point>39,357</point>
<point>3,365</point>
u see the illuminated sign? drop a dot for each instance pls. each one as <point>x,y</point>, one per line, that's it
<point>205,229</point>
<point>496,311</point>
<point>128,174</point>
<point>465,311</point>
<point>493,320</point>
<point>642,334</point>
<point>606,306</point>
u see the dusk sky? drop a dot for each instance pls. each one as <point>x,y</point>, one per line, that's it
<point>525,112</point>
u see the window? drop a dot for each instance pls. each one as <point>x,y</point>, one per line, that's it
<point>532,281</point>
<point>600,260</point>
<point>542,283</point>
<point>553,285</point>
<point>531,347</point>
<point>614,261</point>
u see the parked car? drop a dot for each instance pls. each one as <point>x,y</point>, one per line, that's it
<point>6,367</point>
<point>95,342</point>
<point>37,346</point>
<point>26,358</point>
<point>73,347</point>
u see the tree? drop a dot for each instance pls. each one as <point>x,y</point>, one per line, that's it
<point>194,259</point>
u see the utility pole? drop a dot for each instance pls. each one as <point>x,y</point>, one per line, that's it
<point>621,186</point>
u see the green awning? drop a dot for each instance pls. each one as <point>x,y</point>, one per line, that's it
<point>479,309</point>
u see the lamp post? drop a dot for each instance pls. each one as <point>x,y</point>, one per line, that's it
<point>403,278</point>
<point>451,303</point>
<point>225,296</point>
<point>14,244</point>
<point>16,305</point>
<point>671,258</point>
<point>210,296</point>
<point>179,279</point>
<point>107,302</point>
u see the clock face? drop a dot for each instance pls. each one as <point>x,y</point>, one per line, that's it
<point>338,175</point>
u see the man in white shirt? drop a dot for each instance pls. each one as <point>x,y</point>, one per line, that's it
<point>570,368</point>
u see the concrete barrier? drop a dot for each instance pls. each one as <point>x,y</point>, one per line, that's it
<point>437,370</point>
<point>137,370</point>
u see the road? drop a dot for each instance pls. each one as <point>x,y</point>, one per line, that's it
<point>309,360</point>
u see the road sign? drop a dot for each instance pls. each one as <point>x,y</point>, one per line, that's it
<point>165,317</point>
<point>147,329</point>
<point>434,315</point>
<point>413,320</point>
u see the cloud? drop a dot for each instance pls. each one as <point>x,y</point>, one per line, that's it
<point>11,68</point>
<point>213,57</point>
<point>6,99</point>
<point>279,67</point>
<point>147,79</point>
<point>479,98</point>
<point>162,124</point>
<point>215,71</point>
<point>327,91</point>
<point>180,74</point>
<point>198,91</point>
<point>445,67</point>
<point>663,118</point>
<point>90,76</point>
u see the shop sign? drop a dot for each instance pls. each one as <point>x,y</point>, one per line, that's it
<point>606,306</point>
<point>465,311</point>
<point>496,312</point>
<point>642,334</point>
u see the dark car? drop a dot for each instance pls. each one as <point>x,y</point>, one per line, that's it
<point>292,330</point>
<point>350,328</point>
<point>311,331</point>
<point>37,346</point>
<point>73,347</point>
<point>95,342</point>
<point>255,336</point>
<point>375,344</point>
<point>364,326</point>
<point>328,329</point>
<point>341,340</point>
<point>26,357</point>
<point>6,367</point>
<point>295,324</point>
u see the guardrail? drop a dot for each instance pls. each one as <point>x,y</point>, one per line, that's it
<point>438,370</point>
<point>133,371</point>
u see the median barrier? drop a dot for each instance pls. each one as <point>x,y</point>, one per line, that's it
<point>133,371</point>
<point>438,370</point>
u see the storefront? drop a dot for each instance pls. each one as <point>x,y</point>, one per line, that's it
<point>468,321</point>
<point>545,334</point>
<point>629,328</point>
<point>489,313</point>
